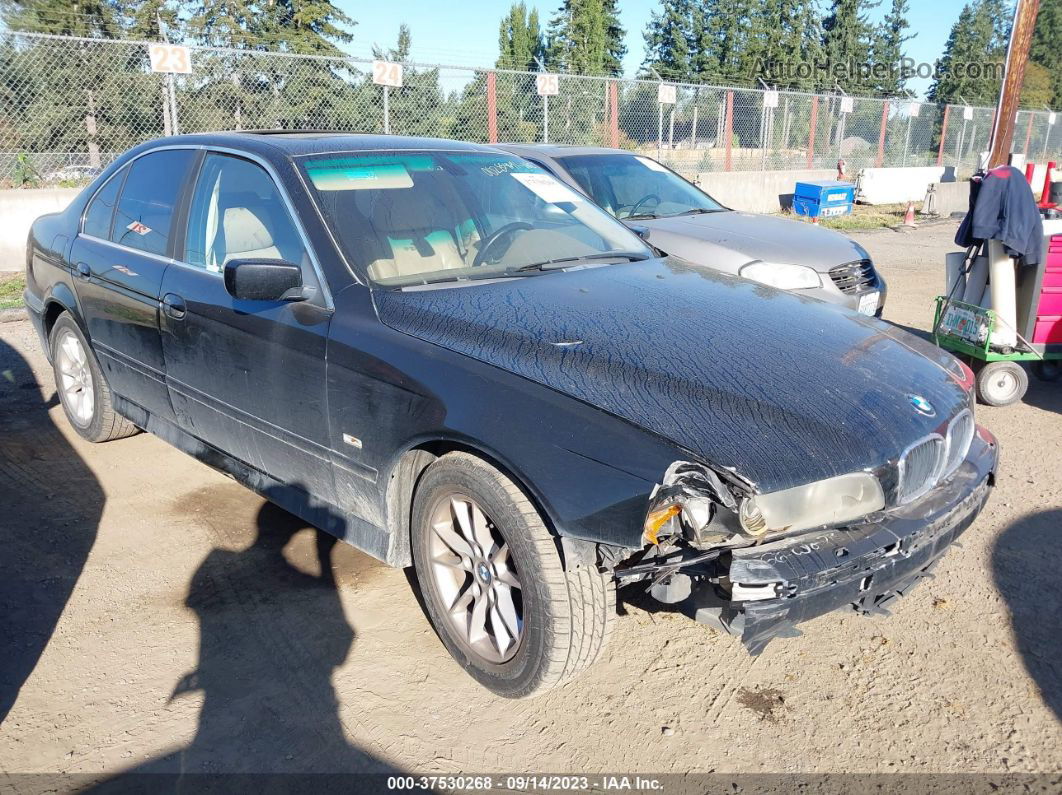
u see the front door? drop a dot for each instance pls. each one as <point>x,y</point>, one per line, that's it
<point>119,260</point>
<point>247,377</point>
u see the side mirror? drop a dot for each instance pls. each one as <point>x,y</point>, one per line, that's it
<point>641,231</point>
<point>263,280</point>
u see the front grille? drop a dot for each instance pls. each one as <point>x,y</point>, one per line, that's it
<point>960,435</point>
<point>854,277</point>
<point>920,468</point>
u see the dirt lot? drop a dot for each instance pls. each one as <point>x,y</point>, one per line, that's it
<point>156,616</point>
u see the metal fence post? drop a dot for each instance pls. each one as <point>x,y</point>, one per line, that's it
<point>545,118</point>
<point>659,129</point>
<point>386,111</point>
<point>492,107</point>
<point>811,130</point>
<point>880,161</point>
<point>729,128</point>
<point>613,113</point>
<point>174,119</point>
<point>943,135</point>
<point>1028,135</point>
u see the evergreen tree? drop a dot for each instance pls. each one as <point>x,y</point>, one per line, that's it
<point>142,21</point>
<point>90,18</point>
<point>965,72</point>
<point>306,27</point>
<point>847,38</point>
<point>585,38</point>
<point>668,37</point>
<point>889,48</point>
<point>1046,49</point>
<point>520,43</point>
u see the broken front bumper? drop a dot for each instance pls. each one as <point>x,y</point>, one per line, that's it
<point>777,585</point>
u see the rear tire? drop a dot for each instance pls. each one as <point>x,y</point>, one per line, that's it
<point>1001,383</point>
<point>83,390</point>
<point>565,616</point>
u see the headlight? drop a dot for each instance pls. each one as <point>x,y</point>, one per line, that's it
<point>825,502</point>
<point>784,277</point>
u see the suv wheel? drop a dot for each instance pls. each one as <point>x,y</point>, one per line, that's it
<point>494,585</point>
<point>82,387</point>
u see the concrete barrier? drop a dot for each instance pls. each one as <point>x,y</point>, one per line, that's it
<point>951,197</point>
<point>758,191</point>
<point>18,210</point>
<point>898,185</point>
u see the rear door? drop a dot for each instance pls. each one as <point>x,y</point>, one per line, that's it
<point>248,377</point>
<point>120,257</point>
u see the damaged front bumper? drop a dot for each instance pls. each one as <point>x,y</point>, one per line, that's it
<point>762,592</point>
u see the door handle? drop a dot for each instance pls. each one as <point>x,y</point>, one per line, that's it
<point>84,271</point>
<point>173,306</point>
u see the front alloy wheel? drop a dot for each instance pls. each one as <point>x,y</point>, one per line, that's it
<point>476,578</point>
<point>495,588</point>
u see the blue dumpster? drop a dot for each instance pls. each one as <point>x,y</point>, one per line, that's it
<point>823,199</point>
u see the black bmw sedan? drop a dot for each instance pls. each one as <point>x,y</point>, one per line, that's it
<point>444,356</point>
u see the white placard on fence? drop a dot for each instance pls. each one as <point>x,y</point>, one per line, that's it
<point>967,114</point>
<point>1050,118</point>
<point>170,58</point>
<point>914,109</point>
<point>770,99</point>
<point>847,104</point>
<point>387,73</point>
<point>547,85</point>
<point>665,94</point>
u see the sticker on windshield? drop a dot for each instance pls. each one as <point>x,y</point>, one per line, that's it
<point>648,162</point>
<point>547,188</point>
<point>381,176</point>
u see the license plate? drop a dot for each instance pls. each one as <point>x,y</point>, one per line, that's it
<point>868,303</point>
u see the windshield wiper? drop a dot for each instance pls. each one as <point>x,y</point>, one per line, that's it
<point>564,262</point>
<point>692,211</point>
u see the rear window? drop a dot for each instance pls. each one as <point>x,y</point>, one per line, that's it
<point>146,208</point>
<point>101,208</point>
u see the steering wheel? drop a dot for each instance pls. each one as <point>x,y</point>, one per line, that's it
<point>499,234</point>
<point>640,202</point>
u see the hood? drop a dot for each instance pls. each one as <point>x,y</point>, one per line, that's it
<point>780,388</point>
<point>734,238</point>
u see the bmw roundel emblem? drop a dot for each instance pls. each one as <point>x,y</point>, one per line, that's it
<point>921,405</point>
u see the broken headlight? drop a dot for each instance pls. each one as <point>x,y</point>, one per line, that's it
<point>844,498</point>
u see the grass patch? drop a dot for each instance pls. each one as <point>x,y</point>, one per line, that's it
<point>866,216</point>
<point>11,287</point>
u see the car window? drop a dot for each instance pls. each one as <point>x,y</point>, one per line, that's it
<point>100,211</point>
<point>420,217</point>
<point>630,185</point>
<point>146,208</point>
<point>237,212</point>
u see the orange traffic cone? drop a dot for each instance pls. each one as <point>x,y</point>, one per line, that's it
<point>908,217</point>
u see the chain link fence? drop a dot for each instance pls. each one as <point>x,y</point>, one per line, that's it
<point>70,105</point>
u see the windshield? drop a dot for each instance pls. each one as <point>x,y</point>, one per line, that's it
<point>411,218</point>
<point>632,186</point>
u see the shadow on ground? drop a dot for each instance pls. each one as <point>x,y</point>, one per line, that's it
<point>1026,561</point>
<point>50,508</point>
<point>272,632</point>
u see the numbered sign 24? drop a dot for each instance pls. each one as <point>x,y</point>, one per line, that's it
<point>387,73</point>
<point>170,58</point>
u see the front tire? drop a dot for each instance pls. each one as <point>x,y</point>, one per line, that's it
<point>83,390</point>
<point>494,585</point>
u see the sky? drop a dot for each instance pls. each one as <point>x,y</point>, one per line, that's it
<point>465,32</point>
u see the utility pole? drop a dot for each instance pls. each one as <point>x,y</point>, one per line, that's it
<point>1009,95</point>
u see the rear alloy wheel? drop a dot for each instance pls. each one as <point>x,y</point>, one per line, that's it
<point>1001,383</point>
<point>82,387</point>
<point>494,585</point>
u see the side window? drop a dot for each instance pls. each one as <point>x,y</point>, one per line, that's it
<point>146,207</point>
<point>101,208</point>
<point>237,213</point>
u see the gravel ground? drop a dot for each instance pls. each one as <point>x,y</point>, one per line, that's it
<point>157,616</point>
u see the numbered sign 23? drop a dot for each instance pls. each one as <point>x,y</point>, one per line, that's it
<point>387,73</point>
<point>170,58</point>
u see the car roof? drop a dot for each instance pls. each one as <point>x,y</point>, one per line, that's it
<point>559,151</point>
<point>303,142</point>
